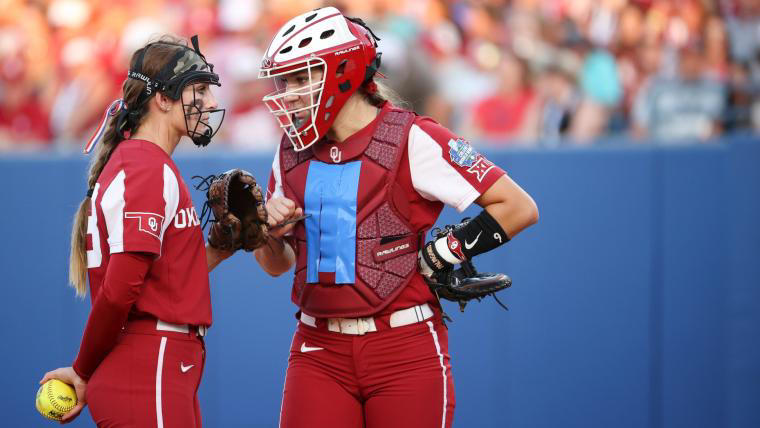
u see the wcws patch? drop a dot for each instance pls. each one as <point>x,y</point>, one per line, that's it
<point>464,155</point>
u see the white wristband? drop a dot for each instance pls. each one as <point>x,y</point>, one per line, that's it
<point>442,246</point>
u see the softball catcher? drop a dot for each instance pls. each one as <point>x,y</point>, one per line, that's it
<point>369,178</point>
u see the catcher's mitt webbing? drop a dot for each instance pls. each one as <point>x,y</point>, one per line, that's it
<point>203,184</point>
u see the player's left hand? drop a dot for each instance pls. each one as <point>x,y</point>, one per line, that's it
<point>68,375</point>
<point>460,285</point>
<point>237,203</point>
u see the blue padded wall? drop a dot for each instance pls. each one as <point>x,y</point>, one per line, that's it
<point>634,301</point>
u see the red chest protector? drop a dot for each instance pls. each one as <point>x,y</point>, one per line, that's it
<point>386,245</point>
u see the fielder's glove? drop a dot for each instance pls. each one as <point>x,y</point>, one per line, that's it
<point>237,204</point>
<point>458,285</point>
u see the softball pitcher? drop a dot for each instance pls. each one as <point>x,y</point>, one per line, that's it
<point>138,236</point>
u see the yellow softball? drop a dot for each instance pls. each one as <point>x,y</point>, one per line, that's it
<point>55,398</point>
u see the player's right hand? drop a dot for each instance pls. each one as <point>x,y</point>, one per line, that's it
<point>68,375</point>
<point>280,210</point>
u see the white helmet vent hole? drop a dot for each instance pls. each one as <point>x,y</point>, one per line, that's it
<point>310,17</point>
<point>326,34</point>
<point>327,116</point>
<point>329,102</point>
<point>305,42</point>
<point>286,50</point>
<point>292,27</point>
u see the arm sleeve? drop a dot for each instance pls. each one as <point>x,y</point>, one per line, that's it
<point>125,276</point>
<point>447,168</point>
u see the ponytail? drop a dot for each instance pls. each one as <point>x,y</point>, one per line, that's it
<point>78,255</point>
<point>376,93</point>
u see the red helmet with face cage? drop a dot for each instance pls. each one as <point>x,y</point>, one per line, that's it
<point>344,49</point>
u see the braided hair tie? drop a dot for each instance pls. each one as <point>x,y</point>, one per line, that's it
<point>115,108</point>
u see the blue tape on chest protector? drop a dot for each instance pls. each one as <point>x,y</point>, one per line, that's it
<point>331,197</point>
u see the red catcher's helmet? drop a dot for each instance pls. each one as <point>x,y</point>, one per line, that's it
<point>343,48</point>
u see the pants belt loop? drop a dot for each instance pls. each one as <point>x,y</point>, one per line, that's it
<point>177,328</point>
<point>411,315</point>
<point>308,319</point>
<point>200,330</point>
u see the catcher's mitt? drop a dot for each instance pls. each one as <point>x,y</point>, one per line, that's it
<point>465,284</point>
<point>240,217</point>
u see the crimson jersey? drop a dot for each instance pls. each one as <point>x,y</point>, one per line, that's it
<point>141,204</point>
<point>437,168</point>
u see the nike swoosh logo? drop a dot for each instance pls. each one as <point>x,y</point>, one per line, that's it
<point>470,245</point>
<point>305,348</point>
<point>185,368</point>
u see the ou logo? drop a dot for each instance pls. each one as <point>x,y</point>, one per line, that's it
<point>335,154</point>
<point>153,224</point>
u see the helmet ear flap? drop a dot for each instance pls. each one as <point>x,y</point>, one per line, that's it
<point>346,68</point>
<point>372,68</point>
<point>341,69</point>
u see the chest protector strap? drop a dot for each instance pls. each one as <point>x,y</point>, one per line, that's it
<point>386,244</point>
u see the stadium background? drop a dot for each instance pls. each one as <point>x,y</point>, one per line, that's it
<point>632,123</point>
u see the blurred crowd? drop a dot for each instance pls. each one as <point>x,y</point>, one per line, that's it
<point>506,72</point>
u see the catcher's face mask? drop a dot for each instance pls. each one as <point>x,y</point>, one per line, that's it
<point>295,102</point>
<point>186,77</point>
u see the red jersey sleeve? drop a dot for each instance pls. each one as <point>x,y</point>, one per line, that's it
<point>139,203</point>
<point>445,167</point>
<point>124,280</point>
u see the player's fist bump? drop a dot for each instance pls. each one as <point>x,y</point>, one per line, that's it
<point>280,210</point>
